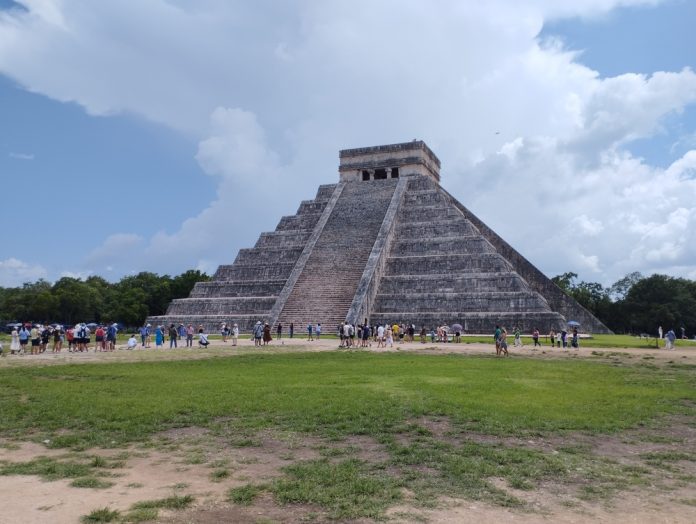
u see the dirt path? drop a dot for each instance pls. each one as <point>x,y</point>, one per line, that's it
<point>219,349</point>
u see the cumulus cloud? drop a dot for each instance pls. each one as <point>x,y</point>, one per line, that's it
<point>15,272</point>
<point>530,139</point>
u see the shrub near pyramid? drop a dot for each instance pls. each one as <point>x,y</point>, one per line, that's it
<point>386,243</point>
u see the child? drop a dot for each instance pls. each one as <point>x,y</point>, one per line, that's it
<point>132,342</point>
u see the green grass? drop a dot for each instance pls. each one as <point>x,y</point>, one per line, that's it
<point>91,482</point>
<point>337,395</point>
<point>102,515</point>
<point>330,393</point>
<point>46,468</point>
<point>174,502</point>
<point>141,515</point>
<point>245,495</point>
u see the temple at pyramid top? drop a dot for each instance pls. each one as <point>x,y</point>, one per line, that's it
<point>388,161</point>
<point>385,244</point>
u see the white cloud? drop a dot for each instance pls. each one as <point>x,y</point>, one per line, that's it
<point>22,156</point>
<point>15,272</point>
<point>270,95</point>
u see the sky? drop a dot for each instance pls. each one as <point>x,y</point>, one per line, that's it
<point>164,135</point>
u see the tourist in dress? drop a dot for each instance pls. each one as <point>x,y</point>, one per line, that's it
<point>159,336</point>
<point>266,334</point>
<point>14,345</point>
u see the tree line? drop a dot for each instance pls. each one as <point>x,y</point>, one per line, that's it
<point>637,304</point>
<point>634,304</point>
<point>94,299</point>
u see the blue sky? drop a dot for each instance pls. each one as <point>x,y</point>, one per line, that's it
<point>128,146</point>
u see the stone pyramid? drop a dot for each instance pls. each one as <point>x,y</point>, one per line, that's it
<point>386,243</point>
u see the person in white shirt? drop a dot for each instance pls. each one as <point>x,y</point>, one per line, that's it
<point>132,342</point>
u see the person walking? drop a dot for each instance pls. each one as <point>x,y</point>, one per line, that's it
<point>266,334</point>
<point>518,337</point>
<point>670,337</point>
<point>258,333</point>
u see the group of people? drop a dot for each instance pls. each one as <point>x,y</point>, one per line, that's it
<point>174,333</point>
<point>36,339</point>
<point>559,339</point>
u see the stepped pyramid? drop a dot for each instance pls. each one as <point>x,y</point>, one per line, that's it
<point>386,243</point>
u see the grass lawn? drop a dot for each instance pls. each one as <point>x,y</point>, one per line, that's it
<point>337,395</point>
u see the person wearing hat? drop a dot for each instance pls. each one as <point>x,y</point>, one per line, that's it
<point>258,333</point>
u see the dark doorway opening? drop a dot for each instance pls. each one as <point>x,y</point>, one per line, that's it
<point>395,172</point>
<point>366,175</point>
<point>380,174</point>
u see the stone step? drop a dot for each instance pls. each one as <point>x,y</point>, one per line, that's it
<point>441,246</point>
<point>259,272</point>
<point>221,305</point>
<point>266,255</point>
<point>432,264</point>
<point>475,322</point>
<point>298,222</point>
<point>462,302</point>
<point>258,288</point>
<point>447,283</point>
<point>293,238</point>
<point>450,226</point>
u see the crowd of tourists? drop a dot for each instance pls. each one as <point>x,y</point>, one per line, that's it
<point>34,339</point>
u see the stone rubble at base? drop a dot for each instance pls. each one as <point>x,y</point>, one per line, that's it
<point>386,243</point>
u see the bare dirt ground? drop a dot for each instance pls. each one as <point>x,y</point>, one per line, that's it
<point>194,461</point>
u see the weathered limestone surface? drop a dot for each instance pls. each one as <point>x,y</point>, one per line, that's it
<point>386,243</point>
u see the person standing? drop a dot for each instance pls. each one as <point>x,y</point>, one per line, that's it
<point>189,336</point>
<point>310,338</point>
<point>535,337</point>
<point>496,338</point>
<point>380,336</point>
<point>258,333</point>
<point>503,342</point>
<point>318,330</point>
<point>564,337</point>
<point>14,345</point>
<point>159,337</point>
<point>279,331</point>
<point>292,329</point>
<point>574,340</point>
<point>518,337</point>
<point>182,332</point>
<point>670,337</point>
<point>235,334</point>
<point>266,334</point>
<point>173,335</point>
<point>659,332</point>
<point>35,340</point>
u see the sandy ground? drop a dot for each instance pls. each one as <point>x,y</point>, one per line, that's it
<point>182,461</point>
